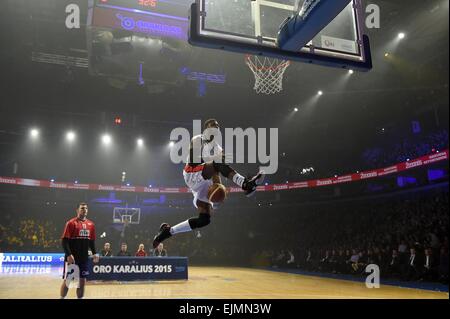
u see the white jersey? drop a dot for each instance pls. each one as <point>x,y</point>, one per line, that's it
<point>192,174</point>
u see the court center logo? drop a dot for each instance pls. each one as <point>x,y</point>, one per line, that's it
<point>373,279</point>
<point>261,146</point>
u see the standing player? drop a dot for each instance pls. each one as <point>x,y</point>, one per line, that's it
<point>77,239</point>
<point>202,171</point>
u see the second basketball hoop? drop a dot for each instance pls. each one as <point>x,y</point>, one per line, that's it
<point>268,72</point>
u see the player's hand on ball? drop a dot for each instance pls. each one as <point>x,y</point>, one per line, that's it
<point>217,193</point>
<point>96,258</point>
<point>70,259</point>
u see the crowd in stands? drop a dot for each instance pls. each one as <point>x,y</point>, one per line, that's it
<point>29,234</point>
<point>410,147</point>
<point>408,240</point>
<point>406,237</point>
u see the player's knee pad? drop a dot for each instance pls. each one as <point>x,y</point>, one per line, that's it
<point>223,169</point>
<point>201,221</point>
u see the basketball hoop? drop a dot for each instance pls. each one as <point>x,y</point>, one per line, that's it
<point>268,73</point>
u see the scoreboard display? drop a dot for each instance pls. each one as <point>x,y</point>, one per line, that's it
<point>154,18</point>
<point>165,7</point>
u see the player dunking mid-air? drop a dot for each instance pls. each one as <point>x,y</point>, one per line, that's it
<point>202,171</point>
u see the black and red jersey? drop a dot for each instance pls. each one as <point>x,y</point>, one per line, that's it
<point>80,235</point>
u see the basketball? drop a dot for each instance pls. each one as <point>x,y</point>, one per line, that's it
<point>217,193</point>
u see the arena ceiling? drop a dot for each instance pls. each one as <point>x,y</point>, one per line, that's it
<point>413,83</point>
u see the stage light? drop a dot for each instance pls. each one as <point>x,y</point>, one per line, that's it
<point>401,35</point>
<point>52,180</point>
<point>34,133</point>
<point>118,121</point>
<point>140,142</point>
<point>171,144</point>
<point>296,109</point>
<point>351,71</point>
<point>106,139</point>
<point>386,55</point>
<point>320,93</point>
<point>70,136</point>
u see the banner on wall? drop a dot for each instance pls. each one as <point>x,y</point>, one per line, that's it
<point>32,258</point>
<point>348,178</point>
<point>139,268</point>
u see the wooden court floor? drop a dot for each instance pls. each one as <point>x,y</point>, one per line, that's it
<point>211,282</point>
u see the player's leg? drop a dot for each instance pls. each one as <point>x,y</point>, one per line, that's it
<point>248,185</point>
<point>84,272</point>
<point>80,290</point>
<point>64,289</point>
<point>203,220</point>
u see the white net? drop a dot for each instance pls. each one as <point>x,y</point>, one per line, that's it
<point>268,73</point>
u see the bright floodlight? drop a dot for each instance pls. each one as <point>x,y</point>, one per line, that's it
<point>171,144</point>
<point>320,93</point>
<point>401,35</point>
<point>296,109</point>
<point>351,71</point>
<point>106,139</point>
<point>70,136</point>
<point>34,133</point>
<point>140,142</point>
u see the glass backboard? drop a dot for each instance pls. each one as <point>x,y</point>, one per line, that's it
<point>126,215</point>
<point>252,27</point>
